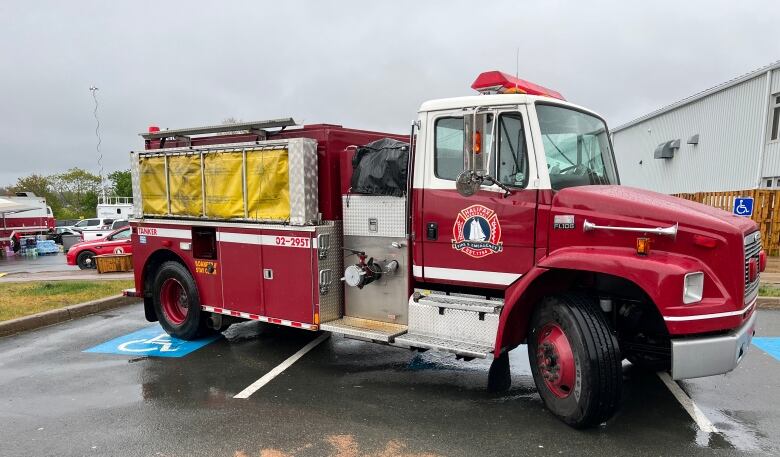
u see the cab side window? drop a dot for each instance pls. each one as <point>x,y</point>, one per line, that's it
<point>448,148</point>
<point>512,151</point>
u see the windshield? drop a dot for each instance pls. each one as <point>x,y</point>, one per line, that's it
<point>577,148</point>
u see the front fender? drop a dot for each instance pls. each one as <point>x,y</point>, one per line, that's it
<point>660,275</point>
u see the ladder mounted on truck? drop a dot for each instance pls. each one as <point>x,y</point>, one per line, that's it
<point>253,128</point>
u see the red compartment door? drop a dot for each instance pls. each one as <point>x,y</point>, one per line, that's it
<point>287,275</point>
<point>242,275</point>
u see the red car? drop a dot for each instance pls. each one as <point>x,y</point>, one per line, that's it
<point>117,242</point>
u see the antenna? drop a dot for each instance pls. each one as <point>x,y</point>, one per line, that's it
<point>517,68</point>
<point>94,90</point>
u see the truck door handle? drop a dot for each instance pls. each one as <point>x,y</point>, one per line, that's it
<point>432,231</point>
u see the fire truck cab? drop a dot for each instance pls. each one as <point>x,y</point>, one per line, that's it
<point>498,222</point>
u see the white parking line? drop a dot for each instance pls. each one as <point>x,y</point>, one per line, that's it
<point>255,386</point>
<point>687,403</point>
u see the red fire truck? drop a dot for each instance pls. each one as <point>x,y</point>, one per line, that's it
<point>499,221</point>
<point>22,215</point>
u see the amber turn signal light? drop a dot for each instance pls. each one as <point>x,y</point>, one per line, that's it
<point>643,246</point>
<point>477,142</point>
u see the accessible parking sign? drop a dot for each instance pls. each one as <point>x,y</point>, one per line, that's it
<point>743,206</point>
<point>151,341</point>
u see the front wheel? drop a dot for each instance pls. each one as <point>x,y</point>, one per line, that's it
<point>177,303</point>
<point>575,360</point>
<point>86,260</point>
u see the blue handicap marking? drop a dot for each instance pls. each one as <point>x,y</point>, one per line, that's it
<point>769,345</point>
<point>151,341</point>
<point>743,206</point>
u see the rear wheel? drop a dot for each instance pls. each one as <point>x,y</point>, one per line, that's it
<point>575,360</point>
<point>86,260</point>
<point>177,303</point>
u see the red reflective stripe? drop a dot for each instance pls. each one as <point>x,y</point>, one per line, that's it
<point>257,317</point>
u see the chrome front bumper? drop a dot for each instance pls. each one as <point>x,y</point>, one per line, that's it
<point>711,355</point>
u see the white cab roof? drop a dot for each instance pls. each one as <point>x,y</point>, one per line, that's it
<point>491,100</point>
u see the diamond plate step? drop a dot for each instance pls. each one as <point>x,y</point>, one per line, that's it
<point>411,340</point>
<point>478,305</point>
<point>364,328</point>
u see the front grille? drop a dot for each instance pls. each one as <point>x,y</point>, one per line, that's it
<point>752,250</point>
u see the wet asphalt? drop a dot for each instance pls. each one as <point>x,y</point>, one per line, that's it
<point>345,398</point>
<point>42,263</point>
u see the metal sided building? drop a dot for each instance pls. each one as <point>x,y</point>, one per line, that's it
<point>725,138</point>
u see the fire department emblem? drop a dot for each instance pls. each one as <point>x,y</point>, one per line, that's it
<point>477,232</point>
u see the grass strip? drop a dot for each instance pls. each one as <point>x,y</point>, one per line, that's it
<point>19,299</point>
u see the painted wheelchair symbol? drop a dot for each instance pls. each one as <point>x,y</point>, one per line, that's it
<point>160,343</point>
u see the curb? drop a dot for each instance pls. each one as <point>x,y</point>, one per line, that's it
<point>768,303</point>
<point>56,316</point>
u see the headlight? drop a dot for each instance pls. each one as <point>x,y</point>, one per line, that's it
<point>693,287</point>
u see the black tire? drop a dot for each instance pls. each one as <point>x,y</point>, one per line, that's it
<point>193,324</point>
<point>86,260</point>
<point>595,394</point>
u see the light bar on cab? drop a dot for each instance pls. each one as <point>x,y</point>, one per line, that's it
<point>497,82</point>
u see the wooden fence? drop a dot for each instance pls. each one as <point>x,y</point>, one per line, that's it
<point>766,211</point>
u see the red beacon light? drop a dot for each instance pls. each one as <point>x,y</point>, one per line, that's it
<point>497,82</point>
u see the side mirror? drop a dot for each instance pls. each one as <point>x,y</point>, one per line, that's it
<point>477,143</point>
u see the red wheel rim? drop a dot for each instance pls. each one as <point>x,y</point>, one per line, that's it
<point>555,360</point>
<point>175,303</point>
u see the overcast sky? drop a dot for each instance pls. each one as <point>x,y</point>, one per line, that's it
<point>361,64</point>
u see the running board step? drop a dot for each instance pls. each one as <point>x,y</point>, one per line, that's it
<point>412,340</point>
<point>477,305</point>
<point>364,329</point>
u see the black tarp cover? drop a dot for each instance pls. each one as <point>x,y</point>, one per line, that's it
<point>380,168</point>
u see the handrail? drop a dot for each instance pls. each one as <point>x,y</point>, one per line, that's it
<point>670,231</point>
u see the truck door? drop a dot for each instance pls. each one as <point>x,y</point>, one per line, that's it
<point>486,239</point>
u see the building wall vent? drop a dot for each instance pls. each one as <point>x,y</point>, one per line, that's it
<point>666,150</point>
<point>694,139</point>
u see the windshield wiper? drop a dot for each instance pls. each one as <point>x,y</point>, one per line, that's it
<point>558,149</point>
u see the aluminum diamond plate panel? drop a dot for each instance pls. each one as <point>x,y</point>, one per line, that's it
<point>304,204</point>
<point>453,324</point>
<point>374,215</point>
<point>136,181</point>
<point>331,304</point>
<point>411,340</point>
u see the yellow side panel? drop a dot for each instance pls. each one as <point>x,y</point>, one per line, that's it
<point>184,179</point>
<point>268,185</point>
<point>152,175</point>
<point>224,186</point>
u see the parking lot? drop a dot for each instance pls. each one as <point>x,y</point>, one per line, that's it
<point>48,267</point>
<point>343,398</point>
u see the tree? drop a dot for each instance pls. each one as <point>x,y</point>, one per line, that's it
<point>122,183</point>
<point>78,190</point>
